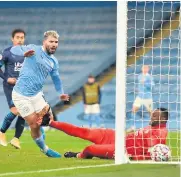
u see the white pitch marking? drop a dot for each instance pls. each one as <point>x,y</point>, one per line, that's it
<point>52,170</point>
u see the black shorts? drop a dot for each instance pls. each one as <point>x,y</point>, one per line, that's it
<point>8,93</point>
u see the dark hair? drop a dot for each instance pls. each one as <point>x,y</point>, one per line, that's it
<point>17,31</point>
<point>164,112</point>
<point>91,76</point>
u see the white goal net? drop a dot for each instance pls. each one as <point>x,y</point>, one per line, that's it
<point>153,69</point>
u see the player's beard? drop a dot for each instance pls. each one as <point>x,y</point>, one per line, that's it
<point>49,51</point>
<point>153,123</point>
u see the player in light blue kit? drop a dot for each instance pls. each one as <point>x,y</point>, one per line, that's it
<point>144,97</point>
<point>27,93</point>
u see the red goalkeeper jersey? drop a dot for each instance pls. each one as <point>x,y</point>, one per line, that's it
<point>138,143</point>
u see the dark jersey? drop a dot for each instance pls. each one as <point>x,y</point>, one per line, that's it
<point>12,64</point>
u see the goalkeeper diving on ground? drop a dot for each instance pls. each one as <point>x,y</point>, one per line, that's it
<point>138,143</point>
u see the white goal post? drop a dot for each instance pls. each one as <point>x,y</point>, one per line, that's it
<point>121,59</point>
<point>167,66</point>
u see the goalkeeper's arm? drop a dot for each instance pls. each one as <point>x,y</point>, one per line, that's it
<point>130,130</point>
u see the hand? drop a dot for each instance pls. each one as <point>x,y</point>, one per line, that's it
<point>11,81</point>
<point>44,121</point>
<point>65,97</point>
<point>29,53</point>
<point>131,129</point>
<point>39,120</point>
<point>85,106</point>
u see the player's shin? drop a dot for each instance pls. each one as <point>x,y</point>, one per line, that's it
<point>39,140</point>
<point>42,132</point>
<point>41,143</point>
<point>20,123</point>
<point>7,121</point>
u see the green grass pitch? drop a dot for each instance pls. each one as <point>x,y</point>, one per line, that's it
<point>29,158</point>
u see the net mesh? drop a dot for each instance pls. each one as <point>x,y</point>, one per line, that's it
<point>153,40</point>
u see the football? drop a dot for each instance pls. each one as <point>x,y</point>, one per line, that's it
<point>160,153</point>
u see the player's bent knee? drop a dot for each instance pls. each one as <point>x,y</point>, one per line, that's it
<point>35,126</point>
<point>32,120</point>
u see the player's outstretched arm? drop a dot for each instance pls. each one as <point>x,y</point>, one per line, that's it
<point>29,53</point>
<point>23,50</point>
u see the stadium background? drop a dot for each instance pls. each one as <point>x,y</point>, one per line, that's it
<point>88,46</point>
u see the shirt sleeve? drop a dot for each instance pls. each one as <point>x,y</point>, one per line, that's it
<point>157,137</point>
<point>21,49</point>
<point>56,80</point>
<point>153,140</point>
<point>146,156</point>
<point>3,59</point>
<point>140,153</point>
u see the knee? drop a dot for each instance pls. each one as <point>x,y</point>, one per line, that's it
<point>34,126</point>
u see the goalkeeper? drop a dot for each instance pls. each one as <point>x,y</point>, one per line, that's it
<point>137,143</point>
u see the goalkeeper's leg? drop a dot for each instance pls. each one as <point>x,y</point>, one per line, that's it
<point>100,151</point>
<point>93,135</point>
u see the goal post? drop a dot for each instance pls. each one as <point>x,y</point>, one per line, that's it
<point>121,59</point>
<point>152,38</point>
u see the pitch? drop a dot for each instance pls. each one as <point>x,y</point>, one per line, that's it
<point>29,161</point>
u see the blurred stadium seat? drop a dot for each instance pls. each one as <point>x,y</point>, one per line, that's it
<point>87,36</point>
